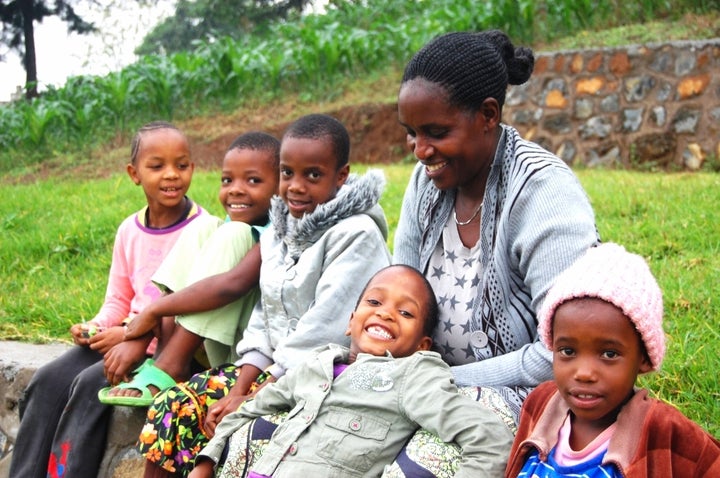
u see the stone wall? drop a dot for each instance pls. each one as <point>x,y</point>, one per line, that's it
<point>654,105</point>
<point>18,362</point>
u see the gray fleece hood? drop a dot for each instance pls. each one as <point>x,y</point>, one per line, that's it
<point>359,195</point>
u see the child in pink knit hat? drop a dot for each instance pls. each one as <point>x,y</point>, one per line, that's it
<point>602,320</point>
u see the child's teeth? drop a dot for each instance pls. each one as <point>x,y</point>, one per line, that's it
<point>379,332</point>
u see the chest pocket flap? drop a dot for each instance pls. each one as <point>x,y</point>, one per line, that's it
<point>357,424</point>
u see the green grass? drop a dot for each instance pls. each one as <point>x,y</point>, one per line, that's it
<point>56,239</point>
<point>674,221</point>
<point>55,248</point>
<point>667,29</point>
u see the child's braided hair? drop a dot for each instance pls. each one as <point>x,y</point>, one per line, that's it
<point>152,126</point>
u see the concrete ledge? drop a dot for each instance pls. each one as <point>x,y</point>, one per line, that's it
<point>18,362</point>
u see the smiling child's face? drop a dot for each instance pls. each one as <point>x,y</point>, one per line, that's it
<point>390,315</point>
<point>597,355</point>
<point>309,174</point>
<point>248,182</point>
<point>163,168</point>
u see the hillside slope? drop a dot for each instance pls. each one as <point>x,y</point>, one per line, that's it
<point>366,105</point>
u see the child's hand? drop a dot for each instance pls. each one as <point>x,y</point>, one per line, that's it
<point>78,334</point>
<point>203,469</point>
<point>103,340</point>
<point>141,324</point>
<point>123,358</point>
<point>84,331</point>
<point>232,401</point>
<point>217,411</point>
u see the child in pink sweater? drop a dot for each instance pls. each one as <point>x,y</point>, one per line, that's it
<point>63,426</point>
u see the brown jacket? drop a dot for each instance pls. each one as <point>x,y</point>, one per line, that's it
<point>652,438</point>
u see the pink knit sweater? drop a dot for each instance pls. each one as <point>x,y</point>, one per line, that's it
<point>137,253</point>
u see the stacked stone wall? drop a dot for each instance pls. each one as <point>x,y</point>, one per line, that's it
<point>655,105</point>
<point>18,363</point>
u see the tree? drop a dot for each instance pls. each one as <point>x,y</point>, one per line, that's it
<point>204,20</point>
<point>18,31</point>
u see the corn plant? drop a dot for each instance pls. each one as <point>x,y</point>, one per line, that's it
<point>307,55</point>
<point>157,86</point>
<point>38,117</point>
<point>116,92</point>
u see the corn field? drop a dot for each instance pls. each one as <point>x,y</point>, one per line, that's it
<point>308,55</point>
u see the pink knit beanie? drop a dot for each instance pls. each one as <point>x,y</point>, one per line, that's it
<point>610,273</point>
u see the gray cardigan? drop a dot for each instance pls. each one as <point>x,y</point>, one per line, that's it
<point>313,271</point>
<point>356,424</point>
<point>536,221</point>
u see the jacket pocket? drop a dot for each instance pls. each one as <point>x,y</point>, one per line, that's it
<point>352,439</point>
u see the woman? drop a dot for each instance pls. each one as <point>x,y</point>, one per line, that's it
<point>489,218</point>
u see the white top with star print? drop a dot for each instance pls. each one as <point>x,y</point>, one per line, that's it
<point>455,274</point>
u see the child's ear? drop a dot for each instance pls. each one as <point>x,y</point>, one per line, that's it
<point>425,343</point>
<point>645,365</point>
<point>342,175</point>
<point>132,172</point>
<point>347,332</point>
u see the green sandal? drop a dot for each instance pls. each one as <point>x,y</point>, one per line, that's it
<point>145,375</point>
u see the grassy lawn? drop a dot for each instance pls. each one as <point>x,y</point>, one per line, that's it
<point>56,239</point>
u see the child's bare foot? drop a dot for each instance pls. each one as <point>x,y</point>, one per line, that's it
<point>132,392</point>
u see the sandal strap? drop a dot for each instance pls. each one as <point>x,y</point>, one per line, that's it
<point>149,374</point>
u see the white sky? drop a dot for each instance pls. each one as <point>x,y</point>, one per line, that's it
<point>60,55</point>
